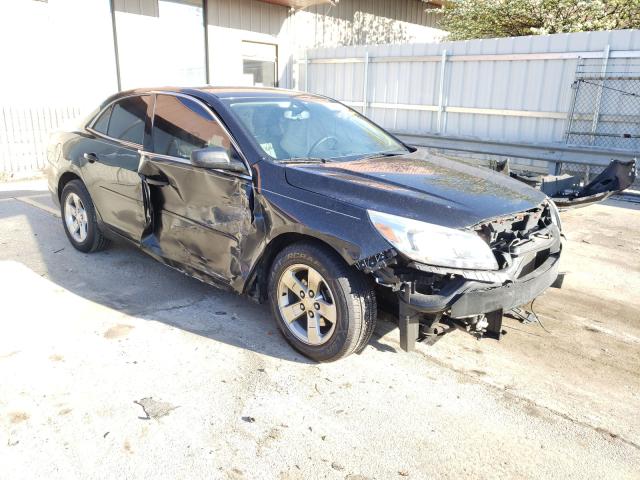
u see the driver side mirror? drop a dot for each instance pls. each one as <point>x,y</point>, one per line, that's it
<point>216,158</point>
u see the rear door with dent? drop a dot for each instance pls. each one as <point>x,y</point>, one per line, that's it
<point>110,158</point>
<point>197,218</point>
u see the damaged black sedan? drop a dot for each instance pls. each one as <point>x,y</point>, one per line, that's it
<point>302,203</point>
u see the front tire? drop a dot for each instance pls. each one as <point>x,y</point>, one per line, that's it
<point>325,309</point>
<point>79,218</point>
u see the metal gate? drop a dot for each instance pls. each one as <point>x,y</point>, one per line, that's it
<point>605,111</point>
<point>605,108</point>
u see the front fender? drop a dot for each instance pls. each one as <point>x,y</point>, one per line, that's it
<point>345,228</point>
<point>284,213</point>
<point>287,218</point>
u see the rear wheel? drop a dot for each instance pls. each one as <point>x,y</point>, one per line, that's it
<point>79,218</point>
<point>325,309</point>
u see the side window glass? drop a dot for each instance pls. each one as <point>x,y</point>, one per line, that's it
<point>181,125</point>
<point>128,118</point>
<point>102,123</point>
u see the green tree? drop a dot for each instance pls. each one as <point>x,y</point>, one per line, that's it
<point>468,19</point>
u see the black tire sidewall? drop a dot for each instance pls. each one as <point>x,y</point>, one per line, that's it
<point>75,186</point>
<point>344,330</point>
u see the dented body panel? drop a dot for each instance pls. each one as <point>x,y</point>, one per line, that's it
<point>200,218</point>
<point>288,209</point>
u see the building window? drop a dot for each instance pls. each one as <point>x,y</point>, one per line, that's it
<point>260,64</point>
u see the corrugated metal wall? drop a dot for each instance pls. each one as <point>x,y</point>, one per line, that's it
<point>495,89</point>
<point>331,23</point>
<point>368,22</point>
<point>350,22</point>
<point>249,15</point>
<point>138,7</point>
<point>412,11</point>
<point>230,22</point>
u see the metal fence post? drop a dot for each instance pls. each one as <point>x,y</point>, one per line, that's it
<point>596,110</point>
<point>441,125</point>
<point>575,86</point>
<point>365,84</point>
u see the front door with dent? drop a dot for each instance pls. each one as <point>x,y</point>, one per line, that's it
<point>198,216</point>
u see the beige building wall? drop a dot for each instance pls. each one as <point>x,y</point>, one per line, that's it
<point>350,22</point>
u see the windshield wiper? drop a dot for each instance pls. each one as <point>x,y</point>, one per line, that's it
<point>381,155</point>
<point>304,160</point>
<point>324,160</point>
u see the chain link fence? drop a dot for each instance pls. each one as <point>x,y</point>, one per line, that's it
<point>585,171</point>
<point>605,111</point>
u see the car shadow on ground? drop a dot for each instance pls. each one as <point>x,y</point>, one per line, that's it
<point>127,280</point>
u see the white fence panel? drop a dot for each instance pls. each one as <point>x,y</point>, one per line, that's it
<point>508,89</point>
<point>24,133</point>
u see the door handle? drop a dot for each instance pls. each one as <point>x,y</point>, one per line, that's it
<point>90,157</point>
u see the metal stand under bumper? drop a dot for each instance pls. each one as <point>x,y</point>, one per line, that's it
<point>472,298</point>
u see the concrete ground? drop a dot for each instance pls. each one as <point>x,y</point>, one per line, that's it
<point>114,366</point>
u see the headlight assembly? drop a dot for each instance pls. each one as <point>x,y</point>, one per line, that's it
<point>433,244</point>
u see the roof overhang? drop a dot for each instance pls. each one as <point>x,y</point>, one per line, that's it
<point>308,3</point>
<point>299,3</point>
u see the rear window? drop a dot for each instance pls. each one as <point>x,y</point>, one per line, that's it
<point>128,119</point>
<point>102,123</point>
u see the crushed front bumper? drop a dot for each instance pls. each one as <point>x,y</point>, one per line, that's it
<point>462,298</point>
<point>468,298</point>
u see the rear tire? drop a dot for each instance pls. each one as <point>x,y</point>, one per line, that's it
<point>79,218</point>
<point>328,324</point>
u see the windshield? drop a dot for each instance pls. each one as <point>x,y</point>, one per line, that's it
<point>308,127</point>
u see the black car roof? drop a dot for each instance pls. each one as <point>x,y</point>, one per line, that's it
<point>206,92</point>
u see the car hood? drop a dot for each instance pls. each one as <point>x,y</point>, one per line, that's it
<point>419,185</point>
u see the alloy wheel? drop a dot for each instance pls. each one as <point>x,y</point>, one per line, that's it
<point>75,217</point>
<point>307,304</point>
